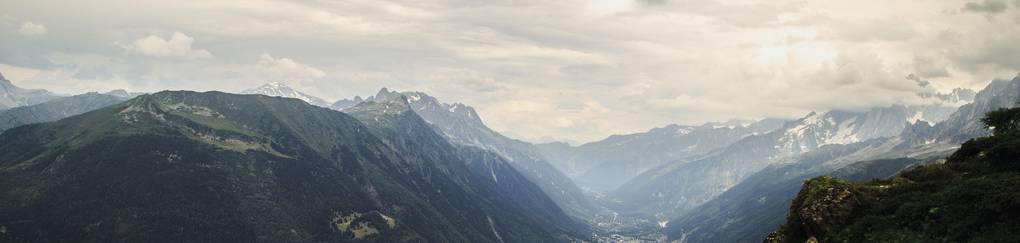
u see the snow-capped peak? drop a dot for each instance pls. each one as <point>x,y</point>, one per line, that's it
<point>732,123</point>
<point>281,89</point>
<point>277,84</point>
<point>812,118</point>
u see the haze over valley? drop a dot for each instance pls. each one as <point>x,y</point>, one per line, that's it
<point>524,121</point>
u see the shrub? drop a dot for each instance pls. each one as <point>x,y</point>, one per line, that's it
<point>1003,120</point>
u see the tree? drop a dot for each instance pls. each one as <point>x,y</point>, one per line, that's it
<point>1003,120</point>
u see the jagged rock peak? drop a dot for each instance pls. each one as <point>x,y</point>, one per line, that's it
<point>385,93</point>
<point>4,82</point>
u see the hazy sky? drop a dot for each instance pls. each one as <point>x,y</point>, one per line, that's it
<point>538,70</point>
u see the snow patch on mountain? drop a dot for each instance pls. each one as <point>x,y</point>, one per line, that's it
<point>280,89</point>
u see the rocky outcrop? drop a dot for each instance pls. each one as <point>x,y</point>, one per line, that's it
<point>823,205</point>
<point>971,197</point>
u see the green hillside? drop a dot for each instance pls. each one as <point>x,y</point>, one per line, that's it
<point>973,197</point>
<point>215,167</point>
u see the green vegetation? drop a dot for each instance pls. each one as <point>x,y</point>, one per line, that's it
<point>216,167</point>
<point>1003,120</point>
<point>973,197</point>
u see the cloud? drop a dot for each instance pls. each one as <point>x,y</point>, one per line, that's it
<point>66,80</point>
<point>886,29</point>
<point>572,70</point>
<point>178,46</point>
<point>921,83</point>
<point>653,2</point>
<point>986,6</point>
<point>929,67</point>
<point>998,51</point>
<point>854,79</point>
<point>32,29</point>
<point>15,74</point>
<point>286,69</point>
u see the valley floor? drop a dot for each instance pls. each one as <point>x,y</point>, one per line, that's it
<point>613,226</point>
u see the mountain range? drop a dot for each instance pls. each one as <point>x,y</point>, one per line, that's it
<point>394,120</point>
<point>186,166</point>
<point>760,201</point>
<point>969,197</point>
<point>13,96</point>
<point>609,163</point>
<point>59,108</point>
<point>675,188</point>
<point>275,164</point>
<point>461,125</point>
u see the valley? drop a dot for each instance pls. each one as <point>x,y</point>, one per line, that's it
<point>754,167</point>
<point>859,145</point>
<point>524,121</point>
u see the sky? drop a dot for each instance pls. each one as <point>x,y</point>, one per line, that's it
<point>537,70</point>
